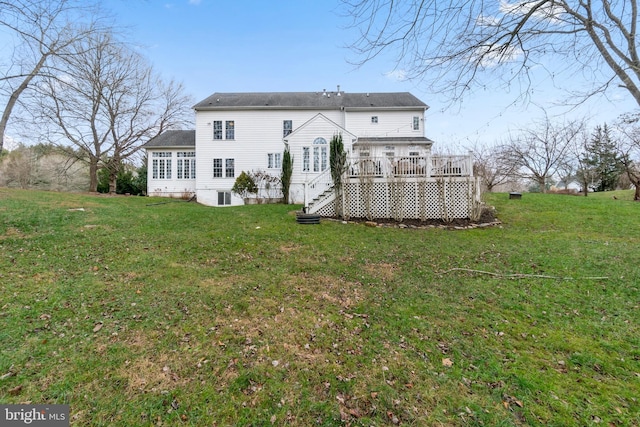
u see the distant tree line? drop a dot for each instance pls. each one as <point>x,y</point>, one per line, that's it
<point>549,154</point>
<point>50,167</point>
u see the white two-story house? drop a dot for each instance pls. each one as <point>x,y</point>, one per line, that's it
<point>238,132</point>
<point>383,134</point>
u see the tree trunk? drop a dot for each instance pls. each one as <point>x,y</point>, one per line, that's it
<point>636,195</point>
<point>542,182</point>
<point>93,175</point>
<point>113,178</point>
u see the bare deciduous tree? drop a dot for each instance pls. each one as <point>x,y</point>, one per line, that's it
<point>491,165</point>
<point>454,45</point>
<point>537,153</point>
<point>40,30</point>
<point>107,103</point>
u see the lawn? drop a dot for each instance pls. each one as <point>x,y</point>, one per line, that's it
<point>145,311</point>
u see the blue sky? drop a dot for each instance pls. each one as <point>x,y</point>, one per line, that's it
<point>299,45</point>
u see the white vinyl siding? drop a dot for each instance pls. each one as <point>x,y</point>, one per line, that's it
<point>389,123</point>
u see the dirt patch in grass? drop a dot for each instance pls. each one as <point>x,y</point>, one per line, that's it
<point>289,248</point>
<point>13,233</point>
<point>145,374</point>
<point>384,271</point>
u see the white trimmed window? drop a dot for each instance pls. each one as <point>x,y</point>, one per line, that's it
<point>287,127</point>
<point>320,160</point>
<point>274,160</point>
<point>161,165</point>
<point>229,168</point>
<point>230,129</point>
<point>186,164</point>
<point>223,168</point>
<point>374,119</point>
<point>305,159</point>
<point>217,129</point>
<point>416,123</point>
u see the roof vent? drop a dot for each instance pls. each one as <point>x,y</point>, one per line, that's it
<point>324,92</point>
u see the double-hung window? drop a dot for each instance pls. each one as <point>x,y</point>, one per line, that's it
<point>305,159</point>
<point>274,160</point>
<point>287,127</point>
<point>161,165</point>
<point>416,123</point>
<point>229,169</point>
<point>230,129</point>
<point>217,168</point>
<point>217,129</point>
<point>186,164</point>
<point>223,168</point>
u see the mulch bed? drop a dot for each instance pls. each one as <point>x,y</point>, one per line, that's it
<point>487,219</point>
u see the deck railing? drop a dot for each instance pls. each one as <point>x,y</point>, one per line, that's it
<point>410,166</point>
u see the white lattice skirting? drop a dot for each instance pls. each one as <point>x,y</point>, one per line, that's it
<point>429,198</point>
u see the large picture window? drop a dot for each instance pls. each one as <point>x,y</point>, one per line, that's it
<point>161,165</point>
<point>320,160</point>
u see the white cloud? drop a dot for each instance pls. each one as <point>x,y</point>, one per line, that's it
<point>195,2</point>
<point>396,75</point>
<point>549,11</point>
<point>487,21</point>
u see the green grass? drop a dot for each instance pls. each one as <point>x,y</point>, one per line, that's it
<point>136,313</point>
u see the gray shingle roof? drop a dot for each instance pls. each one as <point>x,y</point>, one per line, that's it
<point>310,100</point>
<point>173,138</point>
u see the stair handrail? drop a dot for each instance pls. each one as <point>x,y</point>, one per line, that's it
<point>317,186</point>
